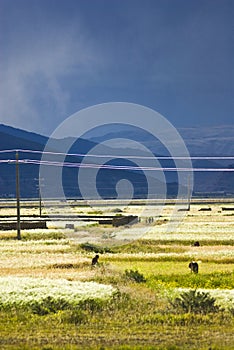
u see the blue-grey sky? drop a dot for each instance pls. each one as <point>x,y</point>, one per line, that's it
<point>60,56</point>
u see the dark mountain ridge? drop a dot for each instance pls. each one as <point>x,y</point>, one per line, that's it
<point>12,139</point>
<point>16,139</point>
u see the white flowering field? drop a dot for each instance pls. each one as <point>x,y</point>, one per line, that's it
<point>26,291</point>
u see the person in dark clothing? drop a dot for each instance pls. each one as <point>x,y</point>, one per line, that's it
<point>193,265</point>
<point>95,260</point>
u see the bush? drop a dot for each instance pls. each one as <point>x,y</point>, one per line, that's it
<point>95,248</point>
<point>116,210</point>
<point>95,212</point>
<point>74,316</point>
<point>37,236</point>
<point>92,305</point>
<point>135,276</point>
<point>231,310</point>
<point>194,301</point>
<point>48,305</point>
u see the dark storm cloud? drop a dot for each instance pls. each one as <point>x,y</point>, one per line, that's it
<point>60,56</point>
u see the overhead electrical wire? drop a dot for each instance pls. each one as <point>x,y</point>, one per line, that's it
<point>120,156</point>
<point>113,167</point>
<point>116,167</point>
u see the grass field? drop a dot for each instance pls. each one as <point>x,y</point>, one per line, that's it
<point>142,295</point>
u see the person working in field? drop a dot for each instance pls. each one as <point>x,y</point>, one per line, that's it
<point>95,260</point>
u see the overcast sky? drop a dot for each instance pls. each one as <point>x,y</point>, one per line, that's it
<point>60,56</point>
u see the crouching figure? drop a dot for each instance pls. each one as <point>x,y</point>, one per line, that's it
<point>95,260</point>
<point>193,265</point>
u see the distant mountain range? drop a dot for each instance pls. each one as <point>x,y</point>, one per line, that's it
<point>200,141</point>
<point>216,141</point>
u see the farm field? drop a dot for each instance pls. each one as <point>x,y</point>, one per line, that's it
<point>141,295</point>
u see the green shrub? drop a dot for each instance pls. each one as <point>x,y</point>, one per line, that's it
<point>135,276</point>
<point>91,305</point>
<point>231,310</point>
<point>37,236</point>
<point>48,305</point>
<point>194,301</point>
<point>116,210</point>
<point>95,248</point>
<point>95,212</point>
<point>75,316</point>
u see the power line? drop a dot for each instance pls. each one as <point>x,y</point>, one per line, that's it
<point>120,155</point>
<point>114,167</point>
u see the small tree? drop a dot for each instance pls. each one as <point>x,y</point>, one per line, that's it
<point>195,302</point>
<point>135,276</point>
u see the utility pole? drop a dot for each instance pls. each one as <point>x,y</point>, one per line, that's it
<point>39,193</point>
<point>17,194</point>
<point>40,184</point>
<point>189,194</point>
<point>40,203</point>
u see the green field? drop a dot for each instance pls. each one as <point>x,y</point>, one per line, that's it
<point>142,295</point>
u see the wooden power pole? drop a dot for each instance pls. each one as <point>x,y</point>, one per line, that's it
<point>17,194</point>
